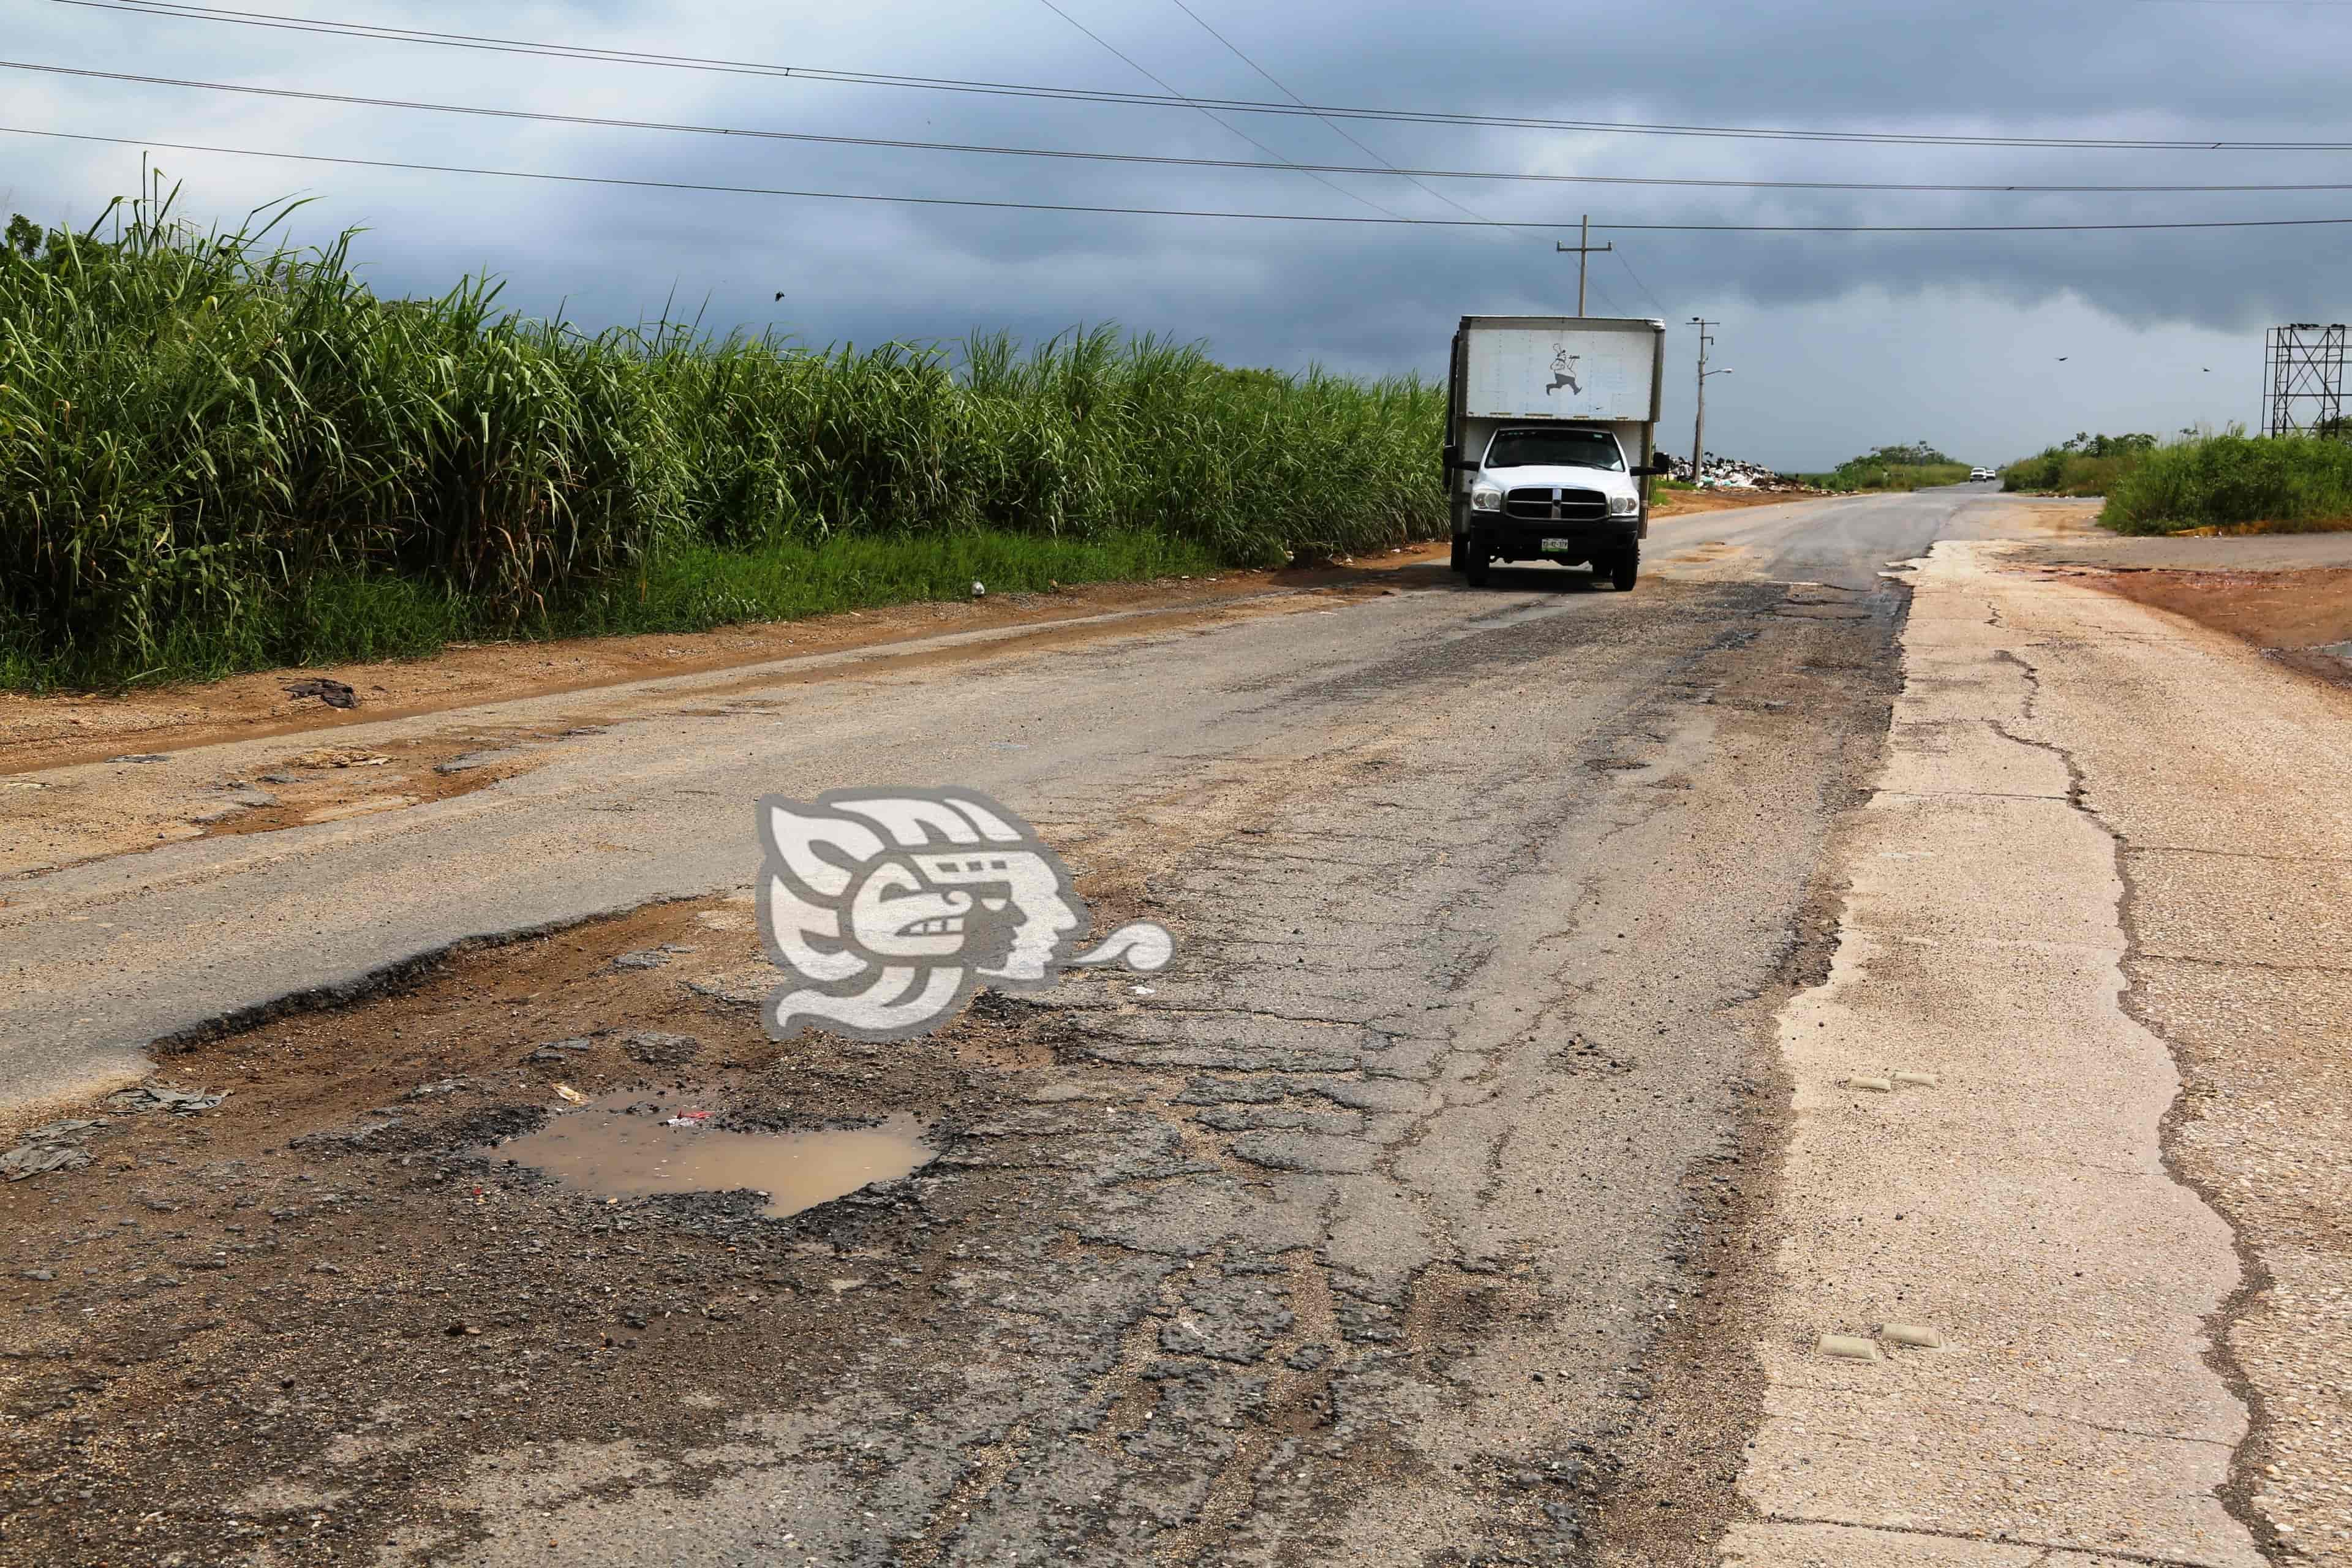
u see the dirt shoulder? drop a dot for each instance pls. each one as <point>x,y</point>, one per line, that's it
<point>1687,503</point>
<point>48,731</point>
<point>2287,594</point>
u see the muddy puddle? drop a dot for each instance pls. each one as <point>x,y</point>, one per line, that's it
<point>608,1150</point>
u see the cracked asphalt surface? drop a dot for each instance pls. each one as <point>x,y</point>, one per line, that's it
<point>1413,1217</point>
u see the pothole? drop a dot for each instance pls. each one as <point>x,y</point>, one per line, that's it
<point>611,1151</point>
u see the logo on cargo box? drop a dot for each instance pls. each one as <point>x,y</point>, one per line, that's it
<point>888,909</point>
<point>1563,372</point>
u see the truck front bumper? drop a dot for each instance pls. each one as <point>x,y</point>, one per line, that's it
<point>1514,538</point>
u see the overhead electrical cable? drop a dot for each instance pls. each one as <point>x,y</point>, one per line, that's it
<point>1212,113</point>
<point>896,143</point>
<point>1180,212</point>
<point>1331,125</point>
<point>1636,276</point>
<point>1237,106</point>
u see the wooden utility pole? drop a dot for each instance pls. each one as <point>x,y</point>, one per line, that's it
<point>1698,427</point>
<point>1583,247</point>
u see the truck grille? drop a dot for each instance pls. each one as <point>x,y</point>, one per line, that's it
<point>1556,505</point>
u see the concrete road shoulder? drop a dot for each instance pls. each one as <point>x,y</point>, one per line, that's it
<point>1977,1200</point>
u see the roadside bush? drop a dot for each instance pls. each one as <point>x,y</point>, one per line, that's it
<point>200,430</point>
<point>2086,465</point>
<point>2286,484</point>
<point>1912,465</point>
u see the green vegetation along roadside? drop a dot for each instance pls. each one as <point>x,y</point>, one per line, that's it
<point>220,453</point>
<point>2083,465</point>
<point>1909,466</point>
<point>2232,481</point>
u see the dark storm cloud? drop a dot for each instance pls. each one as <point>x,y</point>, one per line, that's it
<point>1358,298</point>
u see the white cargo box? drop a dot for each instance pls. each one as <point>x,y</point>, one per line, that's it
<point>1560,367</point>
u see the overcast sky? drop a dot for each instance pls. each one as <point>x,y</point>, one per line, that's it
<point>1836,343</point>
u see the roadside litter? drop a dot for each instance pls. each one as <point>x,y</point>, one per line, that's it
<point>154,1097</point>
<point>333,693</point>
<point>1733,474</point>
<point>694,1119</point>
<point>571,1094</point>
<point>56,1147</point>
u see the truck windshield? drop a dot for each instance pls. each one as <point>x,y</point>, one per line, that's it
<point>1565,449</point>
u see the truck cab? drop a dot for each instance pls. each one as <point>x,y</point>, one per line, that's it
<point>1557,492</point>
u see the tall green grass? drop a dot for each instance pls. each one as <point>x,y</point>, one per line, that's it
<point>218,451</point>
<point>2277,484</point>
<point>2083,465</point>
<point>2284,484</point>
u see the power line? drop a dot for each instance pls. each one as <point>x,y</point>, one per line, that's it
<point>1236,130</point>
<point>1182,212</point>
<point>902,144</point>
<point>1636,276</point>
<point>774,190</point>
<point>1238,106</point>
<point>1331,125</point>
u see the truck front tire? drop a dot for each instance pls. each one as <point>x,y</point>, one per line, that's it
<point>1475,559</point>
<point>1623,568</point>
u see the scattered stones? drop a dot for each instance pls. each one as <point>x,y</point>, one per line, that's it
<point>141,757</point>
<point>155,1097</point>
<point>648,960</point>
<point>656,1049</point>
<point>56,1147</point>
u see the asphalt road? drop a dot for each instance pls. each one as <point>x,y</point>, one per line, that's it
<point>1365,1237</point>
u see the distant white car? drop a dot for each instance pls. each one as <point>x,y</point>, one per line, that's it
<point>1982,474</point>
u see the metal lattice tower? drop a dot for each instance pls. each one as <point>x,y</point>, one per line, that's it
<point>2303,380</point>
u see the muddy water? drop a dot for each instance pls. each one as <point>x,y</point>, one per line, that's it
<point>620,1155</point>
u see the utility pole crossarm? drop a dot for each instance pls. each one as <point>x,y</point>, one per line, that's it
<point>1584,248</point>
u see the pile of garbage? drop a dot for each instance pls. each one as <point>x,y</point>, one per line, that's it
<point>1735,474</point>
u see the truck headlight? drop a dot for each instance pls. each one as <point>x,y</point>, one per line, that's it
<point>1487,498</point>
<point>1624,506</point>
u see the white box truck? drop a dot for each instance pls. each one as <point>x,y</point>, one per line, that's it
<point>1551,441</point>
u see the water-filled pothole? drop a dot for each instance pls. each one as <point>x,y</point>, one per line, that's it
<point>620,1156</point>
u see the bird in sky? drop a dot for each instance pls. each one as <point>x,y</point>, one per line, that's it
<point>2062,359</point>
<point>779,293</point>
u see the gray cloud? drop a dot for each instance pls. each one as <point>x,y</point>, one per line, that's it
<point>1842,341</point>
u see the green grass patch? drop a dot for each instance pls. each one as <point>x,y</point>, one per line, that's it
<point>348,618</point>
<point>218,452</point>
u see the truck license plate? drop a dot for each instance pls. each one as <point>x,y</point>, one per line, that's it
<point>1551,544</point>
